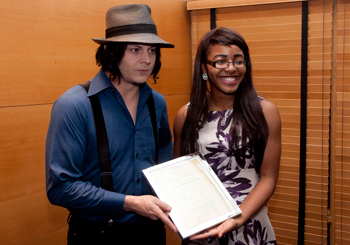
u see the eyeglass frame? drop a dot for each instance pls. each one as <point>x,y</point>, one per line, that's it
<point>213,64</point>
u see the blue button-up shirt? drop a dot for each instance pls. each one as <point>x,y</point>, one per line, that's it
<point>72,168</point>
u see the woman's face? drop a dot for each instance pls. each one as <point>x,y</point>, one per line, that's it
<point>224,80</point>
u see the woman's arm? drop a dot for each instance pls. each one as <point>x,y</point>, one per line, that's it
<point>178,124</point>
<point>262,192</point>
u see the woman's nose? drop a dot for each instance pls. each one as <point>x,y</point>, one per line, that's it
<point>231,66</point>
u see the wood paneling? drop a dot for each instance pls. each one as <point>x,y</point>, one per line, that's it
<point>46,49</point>
<point>171,237</point>
<point>26,214</point>
<point>174,102</point>
<point>205,4</point>
<point>341,161</point>
<point>273,34</point>
<point>59,238</point>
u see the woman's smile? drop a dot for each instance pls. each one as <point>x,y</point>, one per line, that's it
<point>229,79</point>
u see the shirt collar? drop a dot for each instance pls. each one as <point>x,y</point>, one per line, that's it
<point>101,82</point>
<point>98,83</point>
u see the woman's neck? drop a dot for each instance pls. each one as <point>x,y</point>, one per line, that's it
<point>220,103</point>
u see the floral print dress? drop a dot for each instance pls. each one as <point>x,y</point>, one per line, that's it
<point>239,178</point>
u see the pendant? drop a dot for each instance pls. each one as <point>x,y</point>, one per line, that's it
<point>223,121</point>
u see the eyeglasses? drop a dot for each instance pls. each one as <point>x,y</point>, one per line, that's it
<point>223,64</point>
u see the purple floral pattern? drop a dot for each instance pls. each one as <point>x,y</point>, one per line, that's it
<point>238,175</point>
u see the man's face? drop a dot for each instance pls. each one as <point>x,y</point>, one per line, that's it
<point>137,64</point>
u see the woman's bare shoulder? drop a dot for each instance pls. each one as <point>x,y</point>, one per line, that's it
<point>181,113</point>
<point>271,112</point>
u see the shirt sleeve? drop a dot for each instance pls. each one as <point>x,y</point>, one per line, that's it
<point>67,184</point>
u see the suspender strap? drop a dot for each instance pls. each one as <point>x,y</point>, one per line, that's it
<point>152,112</point>
<point>102,141</point>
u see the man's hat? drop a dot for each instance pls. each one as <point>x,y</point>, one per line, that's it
<point>131,23</point>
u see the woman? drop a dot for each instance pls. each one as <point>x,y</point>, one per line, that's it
<point>237,132</point>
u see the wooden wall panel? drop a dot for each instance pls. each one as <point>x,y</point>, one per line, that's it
<point>46,49</point>
<point>273,34</point>
<point>341,106</point>
<point>174,102</point>
<point>200,26</point>
<point>59,238</point>
<point>48,46</point>
<point>205,4</point>
<point>26,214</point>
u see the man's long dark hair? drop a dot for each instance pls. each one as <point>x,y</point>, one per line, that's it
<point>247,111</point>
<point>109,59</point>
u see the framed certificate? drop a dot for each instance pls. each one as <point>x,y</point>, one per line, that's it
<point>197,197</point>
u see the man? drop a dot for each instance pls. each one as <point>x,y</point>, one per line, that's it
<point>129,214</point>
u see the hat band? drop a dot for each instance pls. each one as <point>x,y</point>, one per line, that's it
<point>131,29</point>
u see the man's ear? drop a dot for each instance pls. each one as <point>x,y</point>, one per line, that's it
<point>105,46</point>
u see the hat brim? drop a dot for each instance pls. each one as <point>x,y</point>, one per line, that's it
<point>145,38</point>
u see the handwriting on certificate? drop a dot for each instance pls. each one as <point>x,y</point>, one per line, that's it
<point>194,198</point>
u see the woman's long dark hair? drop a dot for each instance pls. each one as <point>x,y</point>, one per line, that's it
<point>247,111</point>
<point>109,59</point>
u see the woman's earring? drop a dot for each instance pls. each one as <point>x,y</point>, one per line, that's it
<point>205,76</point>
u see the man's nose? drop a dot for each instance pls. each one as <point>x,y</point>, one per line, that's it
<point>146,57</point>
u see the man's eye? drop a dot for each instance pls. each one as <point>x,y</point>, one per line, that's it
<point>152,50</point>
<point>134,50</point>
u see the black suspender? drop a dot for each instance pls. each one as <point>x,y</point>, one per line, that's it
<point>102,141</point>
<point>152,113</point>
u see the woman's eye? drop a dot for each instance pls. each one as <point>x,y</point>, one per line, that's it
<point>152,50</point>
<point>239,62</point>
<point>134,50</point>
<point>221,62</point>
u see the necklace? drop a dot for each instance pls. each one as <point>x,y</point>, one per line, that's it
<point>223,119</point>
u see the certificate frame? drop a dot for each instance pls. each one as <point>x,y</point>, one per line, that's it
<point>190,186</point>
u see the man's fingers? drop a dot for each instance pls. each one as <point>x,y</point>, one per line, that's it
<point>150,207</point>
<point>165,218</point>
<point>172,226</point>
<point>164,214</point>
<point>162,205</point>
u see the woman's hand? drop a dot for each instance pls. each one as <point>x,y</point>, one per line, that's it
<point>219,231</point>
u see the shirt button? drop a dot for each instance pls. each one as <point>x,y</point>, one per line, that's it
<point>137,155</point>
<point>138,180</point>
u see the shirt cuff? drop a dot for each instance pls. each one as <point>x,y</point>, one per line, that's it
<point>112,203</point>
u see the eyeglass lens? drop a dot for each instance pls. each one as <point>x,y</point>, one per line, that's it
<point>226,64</point>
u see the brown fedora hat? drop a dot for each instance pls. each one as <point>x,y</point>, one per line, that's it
<point>131,23</point>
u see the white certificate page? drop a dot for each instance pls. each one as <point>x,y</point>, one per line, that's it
<point>196,198</point>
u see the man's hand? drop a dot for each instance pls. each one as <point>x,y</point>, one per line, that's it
<point>150,207</point>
